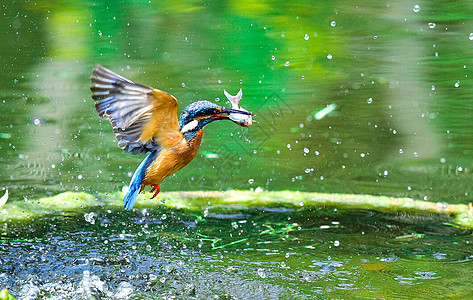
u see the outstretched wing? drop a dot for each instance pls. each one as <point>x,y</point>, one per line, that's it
<point>143,119</point>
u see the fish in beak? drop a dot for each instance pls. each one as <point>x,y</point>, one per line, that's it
<point>238,114</point>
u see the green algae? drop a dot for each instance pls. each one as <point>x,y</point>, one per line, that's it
<point>5,295</point>
<point>237,201</point>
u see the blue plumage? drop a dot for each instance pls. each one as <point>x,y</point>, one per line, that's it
<point>196,109</point>
<point>136,181</point>
<point>193,111</point>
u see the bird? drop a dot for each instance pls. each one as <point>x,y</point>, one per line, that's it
<point>144,120</point>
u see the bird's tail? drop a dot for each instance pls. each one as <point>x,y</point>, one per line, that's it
<point>137,180</point>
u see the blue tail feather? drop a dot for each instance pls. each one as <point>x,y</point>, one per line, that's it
<point>137,180</point>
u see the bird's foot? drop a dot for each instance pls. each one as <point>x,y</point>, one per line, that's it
<point>155,188</point>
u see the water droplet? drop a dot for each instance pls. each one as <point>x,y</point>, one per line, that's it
<point>336,243</point>
<point>251,181</point>
<point>306,150</point>
<point>329,56</point>
<point>273,57</point>
<point>369,101</point>
<point>124,290</point>
<point>286,63</point>
<point>90,217</point>
<point>416,8</point>
<point>261,273</point>
<point>457,84</point>
<point>471,36</point>
<point>183,84</point>
<point>29,291</point>
<point>333,23</point>
<point>432,25</point>
<point>306,37</point>
<point>433,88</point>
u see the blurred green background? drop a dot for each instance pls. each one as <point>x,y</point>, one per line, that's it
<point>397,73</point>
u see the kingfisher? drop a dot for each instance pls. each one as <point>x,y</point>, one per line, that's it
<point>145,122</point>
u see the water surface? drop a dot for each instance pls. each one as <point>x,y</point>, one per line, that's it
<point>256,254</point>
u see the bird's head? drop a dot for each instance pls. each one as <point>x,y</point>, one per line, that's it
<point>198,114</point>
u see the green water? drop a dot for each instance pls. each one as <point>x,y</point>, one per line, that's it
<point>398,74</point>
<point>257,253</point>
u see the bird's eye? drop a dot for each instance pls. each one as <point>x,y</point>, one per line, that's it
<point>212,111</point>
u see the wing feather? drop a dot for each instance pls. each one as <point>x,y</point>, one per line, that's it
<point>143,119</point>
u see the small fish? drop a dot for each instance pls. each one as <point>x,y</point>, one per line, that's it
<point>240,119</point>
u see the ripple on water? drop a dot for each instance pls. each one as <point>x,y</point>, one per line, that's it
<point>275,254</point>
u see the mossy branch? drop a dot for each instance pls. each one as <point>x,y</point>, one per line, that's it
<point>198,201</point>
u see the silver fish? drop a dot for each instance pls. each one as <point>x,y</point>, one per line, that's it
<point>241,119</point>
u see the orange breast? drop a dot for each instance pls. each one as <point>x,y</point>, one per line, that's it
<point>171,160</point>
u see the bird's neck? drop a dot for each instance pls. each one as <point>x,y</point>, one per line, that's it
<point>194,136</point>
<point>193,145</point>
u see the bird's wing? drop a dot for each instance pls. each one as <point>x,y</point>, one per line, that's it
<point>143,118</point>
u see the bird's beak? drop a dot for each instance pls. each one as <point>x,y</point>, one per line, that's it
<point>227,110</point>
<point>223,113</point>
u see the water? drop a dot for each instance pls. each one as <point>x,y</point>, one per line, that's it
<point>396,77</point>
<point>263,254</point>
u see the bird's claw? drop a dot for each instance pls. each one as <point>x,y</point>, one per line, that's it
<point>155,188</point>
